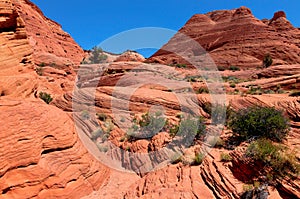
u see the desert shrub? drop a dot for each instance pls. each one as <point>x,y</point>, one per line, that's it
<point>45,97</point>
<point>225,157</point>
<point>259,122</point>
<point>181,65</point>
<point>221,68</point>
<point>203,90</point>
<point>195,78</point>
<point>39,71</point>
<point>198,159</point>
<point>95,134</point>
<point>109,126</point>
<point>219,143</point>
<point>85,115</point>
<point>232,85</point>
<point>97,55</point>
<point>102,148</point>
<point>173,130</point>
<point>192,127</point>
<point>152,123</point>
<point>295,94</point>
<point>254,191</point>
<point>101,116</point>
<point>234,68</point>
<point>42,64</point>
<point>219,112</point>
<point>255,90</point>
<point>267,61</point>
<point>147,126</point>
<point>122,120</point>
<point>216,142</point>
<point>231,79</point>
<point>278,158</point>
<point>53,64</point>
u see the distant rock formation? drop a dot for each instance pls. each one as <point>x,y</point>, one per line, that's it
<point>236,37</point>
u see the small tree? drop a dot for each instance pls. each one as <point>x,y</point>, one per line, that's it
<point>97,55</point>
<point>258,121</point>
<point>267,61</point>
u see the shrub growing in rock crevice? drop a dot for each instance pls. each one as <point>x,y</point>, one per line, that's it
<point>267,61</point>
<point>45,97</point>
<point>281,161</point>
<point>258,121</point>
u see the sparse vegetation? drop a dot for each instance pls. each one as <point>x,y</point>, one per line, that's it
<point>234,68</point>
<point>203,90</point>
<point>181,65</point>
<point>221,68</point>
<point>85,115</point>
<point>295,94</point>
<point>45,97</point>
<point>101,116</point>
<point>191,127</point>
<point>97,55</point>
<point>225,157</point>
<point>97,133</point>
<point>42,64</point>
<point>219,112</point>
<point>232,85</point>
<point>281,161</point>
<point>258,121</point>
<point>267,61</point>
<point>39,71</point>
<point>198,159</point>
<point>255,90</point>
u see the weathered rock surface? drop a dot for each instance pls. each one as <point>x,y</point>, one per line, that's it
<point>15,50</point>
<point>42,156</point>
<point>236,37</point>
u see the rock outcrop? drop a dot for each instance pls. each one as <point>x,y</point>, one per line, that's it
<point>15,50</point>
<point>28,37</point>
<point>236,37</point>
<point>41,155</point>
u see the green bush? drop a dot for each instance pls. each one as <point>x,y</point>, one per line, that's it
<point>181,65</point>
<point>192,127</point>
<point>267,61</point>
<point>198,159</point>
<point>45,97</point>
<point>275,156</point>
<point>39,71</point>
<point>42,64</point>
<point>232,85</point>
<point>255,90</point>
<point>152,123</point>
<point>225,157</point>
<point>234,68</point>
<point>259,122</point>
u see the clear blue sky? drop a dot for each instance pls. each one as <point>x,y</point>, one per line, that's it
<point>91,22</point>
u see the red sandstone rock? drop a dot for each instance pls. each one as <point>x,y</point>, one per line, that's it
<point>236,37</point>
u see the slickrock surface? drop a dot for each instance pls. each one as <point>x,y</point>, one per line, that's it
<point>41,155</point>
<point>236,37</point>
<point>15,50</point>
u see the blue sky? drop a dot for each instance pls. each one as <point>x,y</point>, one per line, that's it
<point>91,22</point>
